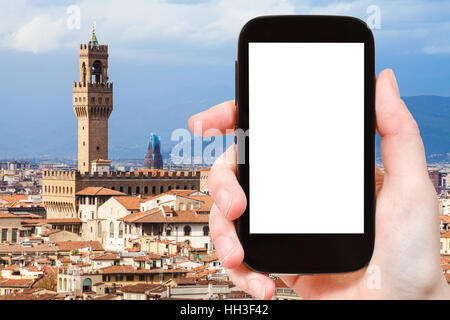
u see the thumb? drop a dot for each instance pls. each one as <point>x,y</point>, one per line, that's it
<point>401,146</point>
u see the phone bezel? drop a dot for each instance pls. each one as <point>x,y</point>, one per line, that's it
<point>307,253</point>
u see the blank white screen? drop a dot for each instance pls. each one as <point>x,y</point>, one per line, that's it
<point>306,121</point>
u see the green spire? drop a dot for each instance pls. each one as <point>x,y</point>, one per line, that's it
<point>93,40</point>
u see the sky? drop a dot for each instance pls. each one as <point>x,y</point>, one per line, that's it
<point>171,59</point>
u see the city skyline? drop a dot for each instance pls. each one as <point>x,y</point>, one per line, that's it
<point>161,78</point>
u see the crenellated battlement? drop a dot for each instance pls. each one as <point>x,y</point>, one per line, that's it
<point>95,85</point>
<point>98,48</point>
<point>142,175</point>
<point>72,175</point>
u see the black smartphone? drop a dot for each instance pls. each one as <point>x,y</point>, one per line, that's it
<point>305,134</point>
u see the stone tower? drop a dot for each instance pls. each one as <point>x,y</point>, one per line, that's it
<point>153,158</point>
<point>92,103</point>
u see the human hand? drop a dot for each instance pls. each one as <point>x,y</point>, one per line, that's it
<point>405,263</point>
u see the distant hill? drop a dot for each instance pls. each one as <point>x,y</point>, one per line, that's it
<point>432,114</point>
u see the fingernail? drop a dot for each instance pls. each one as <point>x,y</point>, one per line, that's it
<point>223,201</point>
<point>257,288</point>
<point>224,246</point>
<point>394,82</point>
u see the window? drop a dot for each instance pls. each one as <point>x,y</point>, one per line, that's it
<point>121,189</point>
<point>93,100</point>
<point>106,278</point>
<point>100,100</point>
<point>4,235</point>
<point>138,190</point>
<point>161,190</point>
<point>187,230</point>
<point>121,230</point>
<point>14,236</point>
<point>142,277</point>
<point>99,229</point>
<point>205,230</point>
<point>185,187</point>
<point>145,190</point>
<point>168,232</point>
<point>177,187</point>
<point>153,190</point>
<point>111,230</point>
<point>119,278</point>
<point>107,100</point>
<point>87,284</point>
<point>129,190</point>
<point>130,278</point>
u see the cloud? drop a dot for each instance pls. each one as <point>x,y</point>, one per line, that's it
<point>41,34</point>
<point>146,24</point>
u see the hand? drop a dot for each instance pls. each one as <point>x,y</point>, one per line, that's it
<point>405,263</point>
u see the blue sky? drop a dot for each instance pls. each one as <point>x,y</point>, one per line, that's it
<point>171,59</point>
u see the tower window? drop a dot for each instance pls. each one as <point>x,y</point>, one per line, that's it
<point>76,99</point>
<point>93,100</point>
<point>84,143</point>
<point>98,148</point>
<point>84,99</point>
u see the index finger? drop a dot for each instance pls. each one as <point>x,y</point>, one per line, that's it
<point>221,117</point>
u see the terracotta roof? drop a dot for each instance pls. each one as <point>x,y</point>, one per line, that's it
<point>207,202</point>
<point>156,216</point>
<point>104,297</point>
<point>51,221</point>
<point>46,234</point>
<point>446,235</point>
<point>445,219</point>
<point>148,258</point>
<point>131,269</point>
<point>106,256</point>
<point>99,191</point>
<point>118,269</point>
<point>101,161</point>
<point>209,259</point>
<point>17,248</point>
<point>8,215</point>
<point>11,199</point>
<point>16,283</point>
<point>129,202</point>
<point>139,288</point>
<point>74,245</point>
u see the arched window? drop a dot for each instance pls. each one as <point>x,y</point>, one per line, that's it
<point>138,190</point>
<point>170,188</point>
<point>111,230</point>
<point>185,187</point>
<point>129,190</point>
<point>99,229</point>
<point>177,187</point>
<point>193,188</point>
<point>205,230</point>
<point>146,189</point>
<point>161,190</point>
<point>97,71</point>
<point>153,190</point>
<point>121,230</point>
<point>60,284</point>
<point>187,230</point>
<point>87,284</point>
<point>65,284</point>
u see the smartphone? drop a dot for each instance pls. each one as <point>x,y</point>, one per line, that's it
<point>305,135</point>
